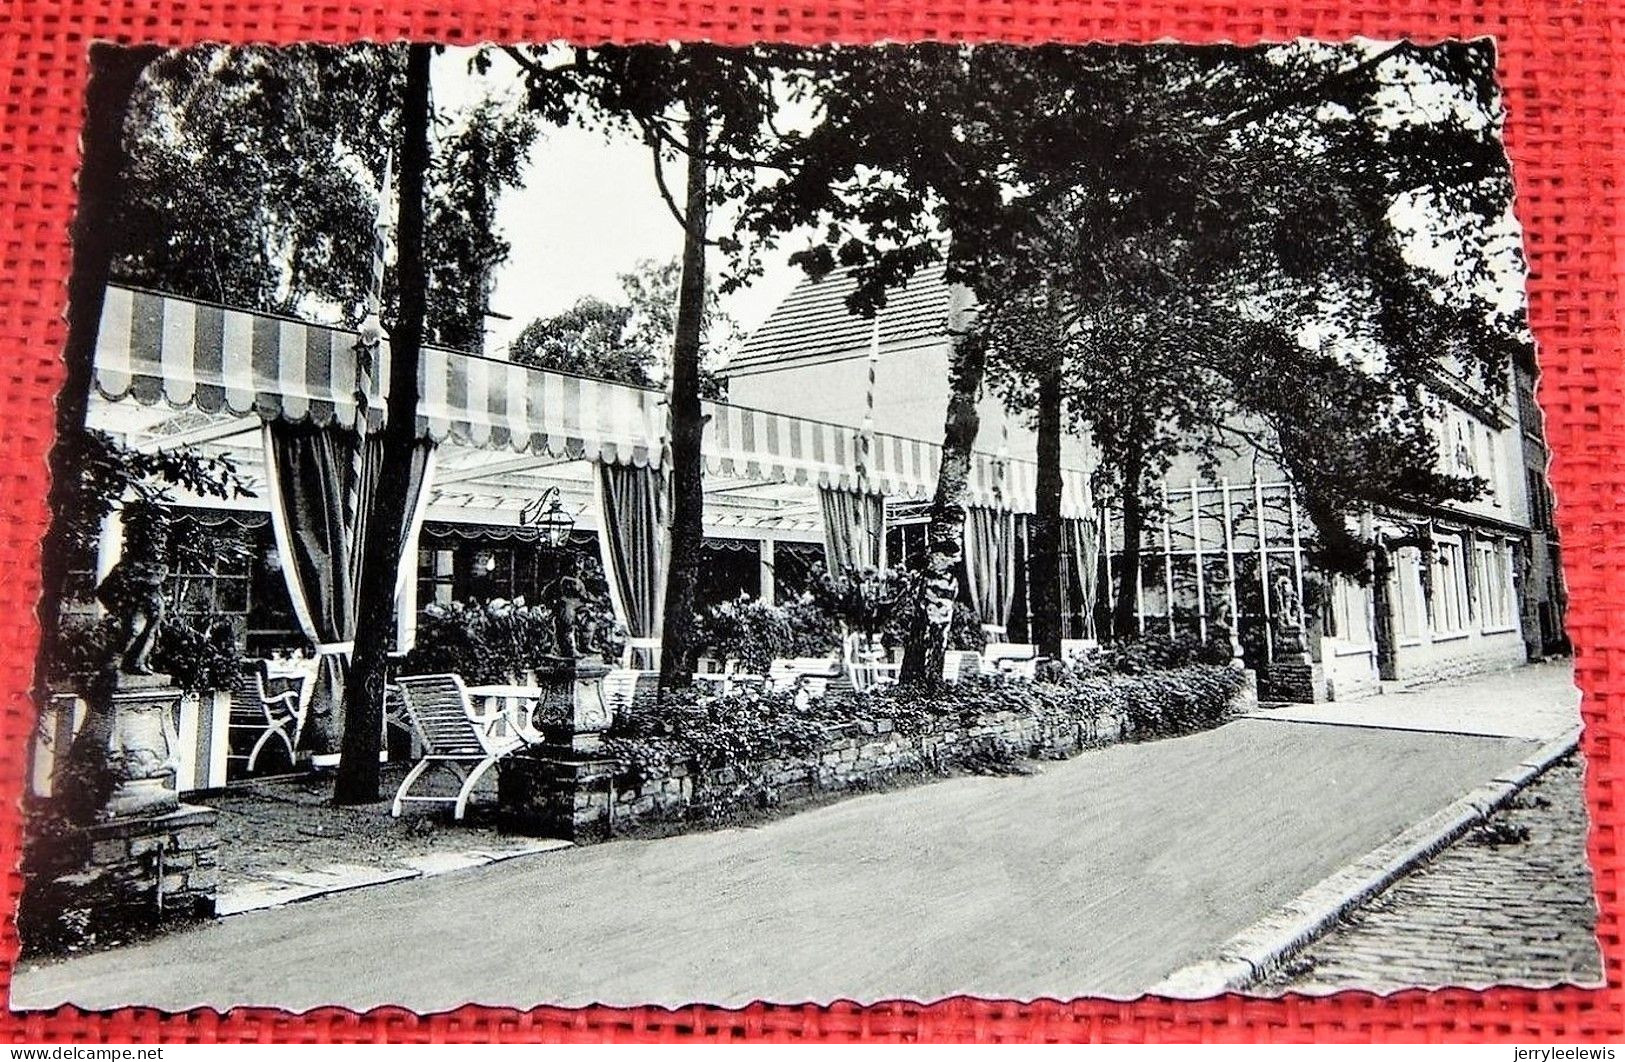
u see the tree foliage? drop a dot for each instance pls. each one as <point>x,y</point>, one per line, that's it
<point>1244,271</point>
<point>108,474</point>
<point>468,171</point>
<point>256,176</point>
<point>630,340</point>
<point>711,109</point>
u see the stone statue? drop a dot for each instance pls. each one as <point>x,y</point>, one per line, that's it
<point>133,591</point>
<point>1288,609</point>
<point>1222,622</point>
<point>564,596</point>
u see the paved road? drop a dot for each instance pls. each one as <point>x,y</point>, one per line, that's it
<point>1510,903</point>
<point>1098,876</point>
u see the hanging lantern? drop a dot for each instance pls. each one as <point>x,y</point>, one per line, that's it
<point>548,516</point>
<point>555,524</point>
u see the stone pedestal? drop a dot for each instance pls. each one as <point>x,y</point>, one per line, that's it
<point>557,793</point>
<point>572,713</point>
<point>140,746</point>
<point>1298,681</point>
<point>563,788</point>
<point>114,849</point>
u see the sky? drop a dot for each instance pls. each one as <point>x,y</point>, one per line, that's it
<point>587,210</point>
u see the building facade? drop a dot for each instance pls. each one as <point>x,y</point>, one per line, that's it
<point>1463,587</point>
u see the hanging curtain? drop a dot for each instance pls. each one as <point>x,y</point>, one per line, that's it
<point>418,492</point>
<point>1080,545</point>
<point>310,475</point>
<point>854,529</point>
<point>632,541</point>
<point>320,489</point>
<point>990,565</point>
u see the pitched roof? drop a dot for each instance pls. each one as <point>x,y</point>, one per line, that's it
<point>813,322</point>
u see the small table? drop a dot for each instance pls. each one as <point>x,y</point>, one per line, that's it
<point>515,704</point>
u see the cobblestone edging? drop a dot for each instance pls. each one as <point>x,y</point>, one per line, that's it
<point>1510,904</point>
<point>1259,950</point>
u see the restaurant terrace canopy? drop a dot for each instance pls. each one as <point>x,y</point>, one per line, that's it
<point>175,354</point>
<point>171,371</point>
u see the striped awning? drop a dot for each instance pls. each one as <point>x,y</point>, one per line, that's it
<point>160,349</point>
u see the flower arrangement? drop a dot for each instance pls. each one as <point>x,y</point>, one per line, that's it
<point>865,600</point>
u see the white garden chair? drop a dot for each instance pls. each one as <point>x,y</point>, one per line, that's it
<point>866,665</point>
<point>1011,658</point>
<point>1077,648</point>
<point>958,664</point>
<point>455,736</point>
<point>273,718</point>
<point>809,677</point>
<point>626,688</point>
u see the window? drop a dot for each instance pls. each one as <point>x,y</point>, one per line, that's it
<point>212,574</point>
<point>437,576</point>
<point>1449,615</point>
<point>1496,599</point>
<point>1347,613</point>
<point>1465,444</point>
<point>1492,467</point>
<point>906,545</point>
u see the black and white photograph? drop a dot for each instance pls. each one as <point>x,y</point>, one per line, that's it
<point>672,523</point>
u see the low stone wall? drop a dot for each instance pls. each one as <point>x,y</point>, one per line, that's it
<point>593,799</point>
<point>137,871</point>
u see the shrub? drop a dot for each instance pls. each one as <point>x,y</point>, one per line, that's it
<point>1151,652</point>
<point>751,727</point>
<point>493,642</point>
<point>755,633</point>
<point>197,655</point>
<point>715,732</point>
<point>865,600</point>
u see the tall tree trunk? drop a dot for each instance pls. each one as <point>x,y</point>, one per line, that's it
<point>1044,556</point>
<point>1382,608</point>
<point>687,426</point>
<point>114,72</point>
<point>357,781</point>
<point>945,535</point>
<point>1125,617</point>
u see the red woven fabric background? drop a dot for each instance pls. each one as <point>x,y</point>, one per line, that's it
<point>1560,65</point>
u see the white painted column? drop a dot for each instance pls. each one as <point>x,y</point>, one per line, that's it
<point>769,588</point>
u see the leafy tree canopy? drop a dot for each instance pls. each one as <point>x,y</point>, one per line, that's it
<point>630,340</point>
<point>256,173</point>
<point>1285,247</point>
